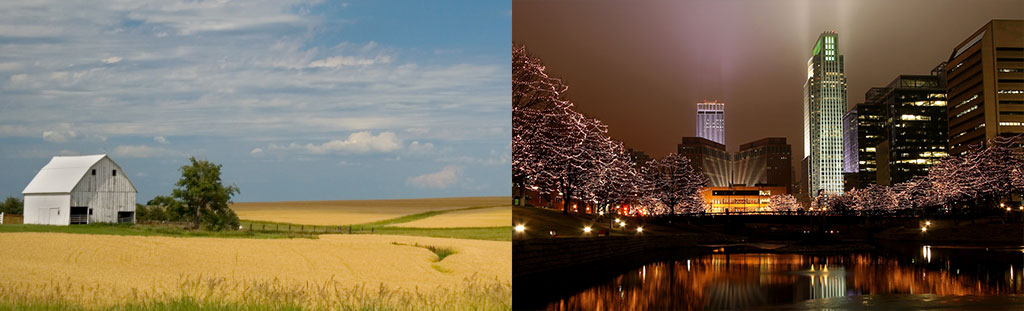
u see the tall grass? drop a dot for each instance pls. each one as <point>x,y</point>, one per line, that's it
<point>440,251</point>
<point>207,293</point>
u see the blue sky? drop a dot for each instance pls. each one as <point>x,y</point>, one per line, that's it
<point>302,100</point>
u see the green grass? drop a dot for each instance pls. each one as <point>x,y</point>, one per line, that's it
<point>149,230</point>
<point>481,233</point>
<point>441,252</point>
<point>215,294</point>
<point>414,217</point>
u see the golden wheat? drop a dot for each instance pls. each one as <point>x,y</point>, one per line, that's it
<point>484,217</point>
<point>349,212</point>
<point>107,269</point>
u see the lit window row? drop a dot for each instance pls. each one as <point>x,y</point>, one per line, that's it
<point>1011,92</point>
<point>1011,69</point>
<point>928,103</point>
<point>962,113</point>
<point>966,101</point>
<point>1004,123</point>
<point>913,117</point>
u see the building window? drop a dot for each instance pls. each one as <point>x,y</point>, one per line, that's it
<point>93,172</point>
<point>115,172</point>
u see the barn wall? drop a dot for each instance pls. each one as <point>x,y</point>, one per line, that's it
<point>37,209</point>
<point>104,193</point>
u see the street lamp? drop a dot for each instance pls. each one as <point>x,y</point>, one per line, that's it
<point>639,229</point>
<point>520,228</point>
<point>924,229</point>
<point>586,230</point>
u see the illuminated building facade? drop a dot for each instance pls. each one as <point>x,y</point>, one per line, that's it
<point>986,85</point>
<point>708,157</point>
<point>867,132</point>
<point>764,162</point>
<point>711,121</point>
<point>824,106</point>
<point>914,127</point>
<point>740,198</point>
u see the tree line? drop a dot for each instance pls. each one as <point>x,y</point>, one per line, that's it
<point>558,151</point>
<point>982,177</point>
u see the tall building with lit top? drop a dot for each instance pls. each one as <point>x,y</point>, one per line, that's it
<point>824,106</point>
<point>711,121</point>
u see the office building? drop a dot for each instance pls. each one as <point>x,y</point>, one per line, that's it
<point>985,75</point>
<point>711,121</point>
<point>764,162</point>
<point>914,127</point>
<point>708,157</point>
<point>824,106</point>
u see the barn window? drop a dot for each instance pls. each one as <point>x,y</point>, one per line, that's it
<point>90,211</point>
<point>93,172</point>
<point>115,172</point>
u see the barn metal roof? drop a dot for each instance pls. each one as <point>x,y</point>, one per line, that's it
<point>62,174</point>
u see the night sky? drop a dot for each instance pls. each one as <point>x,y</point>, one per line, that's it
<point>641,66</point>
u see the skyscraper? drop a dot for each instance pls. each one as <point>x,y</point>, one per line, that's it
<point>711,121</point>
<point>985,75</point>
<point>824,106</point>
<point>914,127</point>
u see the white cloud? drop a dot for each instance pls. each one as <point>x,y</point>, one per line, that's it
<point>160,140</point>
<point>111,60</point>
<point>339,61</point>
<point>59,136</point>
<point>68,153</point>
<point>445,178</point>
<point>417,147</point>
<point>359,142</point>
<point>256,152</point>
<point>142,151</point>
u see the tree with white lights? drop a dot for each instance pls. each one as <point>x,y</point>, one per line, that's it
<point>783,203</point>
<point>674,182</point>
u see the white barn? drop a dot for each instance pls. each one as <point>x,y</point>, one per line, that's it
<point>80,190</point>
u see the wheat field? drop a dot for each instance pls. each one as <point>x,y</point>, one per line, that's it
<point>349,212</point>
<point>108,270</point>
<point>482,217</point>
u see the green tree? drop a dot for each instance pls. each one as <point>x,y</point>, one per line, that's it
<point>205,197</point>
<point>12,205</point>
<point>168,208</point>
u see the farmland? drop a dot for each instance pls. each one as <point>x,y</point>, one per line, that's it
<point>350,212</point>
<point>113,267</point>
<point>407,264</point>
<point>479,217</point>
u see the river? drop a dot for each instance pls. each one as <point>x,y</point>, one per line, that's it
<point>920,276</point>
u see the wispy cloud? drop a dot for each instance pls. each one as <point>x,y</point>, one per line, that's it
<point>359,142</point>
<point>143,151</point>
<point>442,179</point>
<point>150,81</point>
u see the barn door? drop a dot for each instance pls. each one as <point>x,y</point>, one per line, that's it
<point>54,218</point>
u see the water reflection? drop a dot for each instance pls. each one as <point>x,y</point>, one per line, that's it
<point>728,281</point>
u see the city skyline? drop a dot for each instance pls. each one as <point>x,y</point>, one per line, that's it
<point>748,60</point>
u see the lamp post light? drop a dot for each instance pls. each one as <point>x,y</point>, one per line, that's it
<point>586,230</point>
<point>520,228</point>
<point>639,230</point>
